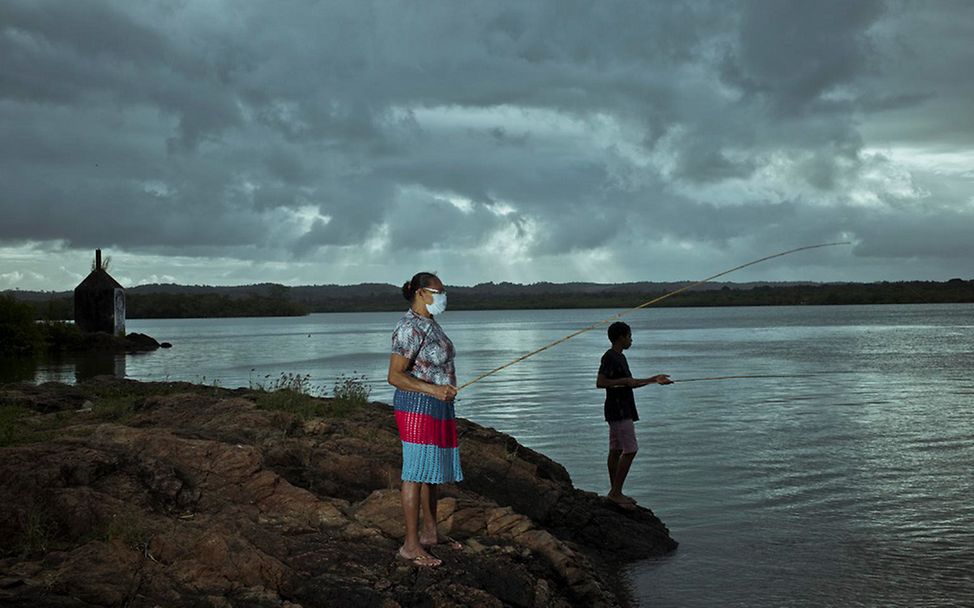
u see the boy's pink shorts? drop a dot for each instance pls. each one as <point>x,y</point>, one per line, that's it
<point>622,436</point>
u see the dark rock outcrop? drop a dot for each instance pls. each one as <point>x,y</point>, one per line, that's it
<point>132,342</point>
<point>64,338</point>
<point>178,495</point>
<point>137,341</point>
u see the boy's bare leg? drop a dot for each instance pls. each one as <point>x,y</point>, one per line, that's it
<point>411,548</point>
<point>619,478</point>
<point>613,465</point>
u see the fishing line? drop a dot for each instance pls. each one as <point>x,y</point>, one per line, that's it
<point>809,375</point>
<point>644,305</point>
<point>710,378</point>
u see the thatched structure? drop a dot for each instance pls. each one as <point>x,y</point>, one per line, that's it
<point>99,302</point>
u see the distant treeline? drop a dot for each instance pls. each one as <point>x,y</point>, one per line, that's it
<point>173,301</point>
<point>183,306</point>
<point>913,292</point>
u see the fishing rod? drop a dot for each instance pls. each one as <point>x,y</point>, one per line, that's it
<point>644,305</point>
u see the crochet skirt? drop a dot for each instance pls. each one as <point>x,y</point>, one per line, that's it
<point>428,430</point>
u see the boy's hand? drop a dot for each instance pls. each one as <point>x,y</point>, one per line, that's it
<point>662,379</point>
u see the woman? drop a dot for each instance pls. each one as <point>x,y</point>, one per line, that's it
<point>421,369</point>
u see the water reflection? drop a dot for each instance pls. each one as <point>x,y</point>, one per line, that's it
<point>73,367</point>
<point>17,369</point>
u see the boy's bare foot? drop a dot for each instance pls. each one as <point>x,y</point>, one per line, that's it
<point>622,501</point>
<point>420,558</point>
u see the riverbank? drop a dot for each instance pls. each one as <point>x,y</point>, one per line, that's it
<point>118,492</point>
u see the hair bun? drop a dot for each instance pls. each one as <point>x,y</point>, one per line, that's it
<point>408,291</point>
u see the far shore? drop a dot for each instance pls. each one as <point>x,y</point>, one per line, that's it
<point>176,302</point>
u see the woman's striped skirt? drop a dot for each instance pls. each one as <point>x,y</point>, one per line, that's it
<point>428,430</point>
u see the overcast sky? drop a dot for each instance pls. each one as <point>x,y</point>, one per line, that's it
<point>301,142</point>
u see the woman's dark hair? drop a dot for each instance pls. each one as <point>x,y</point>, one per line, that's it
<point>419,281</point>
<point>618,330</point>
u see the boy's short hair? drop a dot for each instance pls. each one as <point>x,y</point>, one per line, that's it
<point>617,330</point>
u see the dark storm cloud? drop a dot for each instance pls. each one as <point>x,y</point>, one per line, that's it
<point>794,52</point>
<point>271,130</point>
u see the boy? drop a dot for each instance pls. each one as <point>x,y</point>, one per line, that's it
<point>620,409</point>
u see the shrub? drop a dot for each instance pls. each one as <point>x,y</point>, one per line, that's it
<point>352,390</point>
<point>59,335</point>
<point>295,394</point>
<point>290,393</point>
<point>19,334</point>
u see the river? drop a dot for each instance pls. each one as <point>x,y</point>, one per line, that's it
<point>840,476</point>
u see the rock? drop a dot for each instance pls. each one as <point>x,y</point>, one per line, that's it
<point>101,342</point>
<point>137,341</point>
<point>195,496</point>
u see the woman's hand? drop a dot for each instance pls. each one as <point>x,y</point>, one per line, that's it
<point>444,392</point>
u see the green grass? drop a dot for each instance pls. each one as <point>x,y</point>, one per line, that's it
<point>114,409</point>
<point>294,394</point>
<point>20,425</point>
<point>11,428</point>
<point>36,532</point>
<point>15,431</point>
<point>127,528</point>
<point>79,431</point>
<point>286,400</point>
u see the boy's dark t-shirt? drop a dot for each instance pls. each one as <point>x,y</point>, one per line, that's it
<point>620,404</point>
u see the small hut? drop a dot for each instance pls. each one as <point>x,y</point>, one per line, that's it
<point>99,302</point>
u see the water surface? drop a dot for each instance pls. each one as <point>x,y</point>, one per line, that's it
<point>843,480</point>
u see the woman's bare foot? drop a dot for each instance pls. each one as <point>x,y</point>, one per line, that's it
<point>432,540</point>
<point>419,558</point>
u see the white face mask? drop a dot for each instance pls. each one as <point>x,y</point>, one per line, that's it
<point>438,305</point>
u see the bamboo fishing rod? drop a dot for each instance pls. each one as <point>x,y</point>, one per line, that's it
<point>644,305</point>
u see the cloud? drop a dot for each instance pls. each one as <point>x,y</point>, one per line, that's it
<point>358,139</point>
<point>793,54</point>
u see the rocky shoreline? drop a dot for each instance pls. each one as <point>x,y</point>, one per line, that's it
<point>120,493</point>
